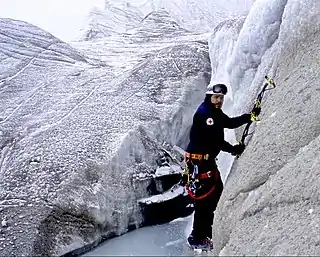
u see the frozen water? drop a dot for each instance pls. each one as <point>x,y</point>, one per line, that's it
<point>161,240</point>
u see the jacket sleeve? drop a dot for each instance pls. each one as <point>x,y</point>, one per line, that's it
<point>226,147</point>
<point>196,133</point>
<point>235,122</point>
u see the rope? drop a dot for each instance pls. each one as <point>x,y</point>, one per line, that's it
<point>192,195</point>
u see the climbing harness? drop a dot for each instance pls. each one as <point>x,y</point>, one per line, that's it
<point>193,183</point>
<point>197,156</point>
<point>257,104</point>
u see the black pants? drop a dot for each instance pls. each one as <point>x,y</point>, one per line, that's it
<point>204,208</point>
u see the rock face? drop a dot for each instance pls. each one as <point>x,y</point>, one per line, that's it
<point>76,128</point>
<point>270,204</point>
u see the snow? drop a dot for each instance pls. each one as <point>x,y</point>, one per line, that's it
<point>69,145</point>
<point>54,15</point>
<point>165,196</point>
<point>167,170</point>
<point>201,15</point>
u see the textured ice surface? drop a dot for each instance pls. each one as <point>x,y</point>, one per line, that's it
<point>76,122</point>
<point>270,202</point>
<point>265,207</point>
<point>77,125</point>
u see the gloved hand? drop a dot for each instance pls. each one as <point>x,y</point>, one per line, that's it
<point>238,149</point>
<point>256,111</point>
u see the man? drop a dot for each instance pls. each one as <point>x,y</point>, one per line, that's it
<point>206,141</point>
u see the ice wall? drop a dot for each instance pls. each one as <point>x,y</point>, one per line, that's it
<point>237,48</point>
<point>270,205</point>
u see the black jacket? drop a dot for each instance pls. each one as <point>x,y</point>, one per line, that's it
<point>207,131</point>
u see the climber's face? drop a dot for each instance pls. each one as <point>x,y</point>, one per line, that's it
<point>217,100</point>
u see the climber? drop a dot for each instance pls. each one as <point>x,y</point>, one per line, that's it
<point>206,141</point>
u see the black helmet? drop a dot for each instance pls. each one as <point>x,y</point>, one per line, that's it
<point>217,89</point>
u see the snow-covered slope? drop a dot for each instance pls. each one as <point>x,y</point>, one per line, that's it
<point>112,20</point>
<point>195,15</point>
<point>76,128</point>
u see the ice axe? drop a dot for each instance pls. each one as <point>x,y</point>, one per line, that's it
<point>269,85</point>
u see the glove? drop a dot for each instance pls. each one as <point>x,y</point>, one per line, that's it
<point>238,149</point>
<point>256,111</point>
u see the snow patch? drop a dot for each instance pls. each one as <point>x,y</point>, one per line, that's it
<point>167,170</point>
<point>166,196</point>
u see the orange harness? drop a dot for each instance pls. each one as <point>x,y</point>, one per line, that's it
<point>196,156</point>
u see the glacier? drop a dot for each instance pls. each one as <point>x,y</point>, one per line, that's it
<point>79,121</point>
<point>77,128</point>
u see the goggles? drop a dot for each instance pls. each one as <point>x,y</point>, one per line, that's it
<point>217,89</point>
